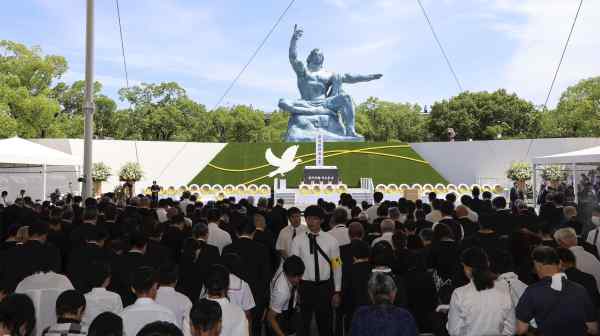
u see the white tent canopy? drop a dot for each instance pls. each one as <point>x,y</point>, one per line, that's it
<point>584,156</point>
<point>17,152</point>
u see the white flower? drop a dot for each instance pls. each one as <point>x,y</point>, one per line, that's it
<point>131,171</point>
<point>100,172</point>
<point>519,171</point>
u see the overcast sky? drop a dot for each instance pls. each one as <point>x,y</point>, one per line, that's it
<point>202,44</point>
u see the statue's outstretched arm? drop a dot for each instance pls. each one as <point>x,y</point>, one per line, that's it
<point>296,63</point>
<point>355,78</point>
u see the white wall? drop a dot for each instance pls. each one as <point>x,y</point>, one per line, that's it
<point>487,161</point>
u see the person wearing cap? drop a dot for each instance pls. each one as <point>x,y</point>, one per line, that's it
<point>559,306</point>
<point>321,284</point>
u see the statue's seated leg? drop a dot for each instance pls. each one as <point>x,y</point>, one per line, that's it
<point>303,107</point>
<point>345,106</point>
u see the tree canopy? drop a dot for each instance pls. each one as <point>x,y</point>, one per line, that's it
<point>35,103</point>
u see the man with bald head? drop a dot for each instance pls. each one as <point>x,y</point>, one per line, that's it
<point>463,217</point>
<point>387,232</point>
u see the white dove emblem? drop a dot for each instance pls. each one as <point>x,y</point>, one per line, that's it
<point>285,164</point>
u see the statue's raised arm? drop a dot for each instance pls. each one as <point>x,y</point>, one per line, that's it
<point>296,63</point>
<point>355,78</point>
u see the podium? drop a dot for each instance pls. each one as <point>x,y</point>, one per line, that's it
<point>321,175</point>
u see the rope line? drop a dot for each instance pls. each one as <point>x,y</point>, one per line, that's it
<point>435,36</point>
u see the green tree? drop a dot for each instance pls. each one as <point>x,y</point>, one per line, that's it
<point>380,120</point>
<point>277,126</point>
<point>577,113</point>
<point>484,115</point>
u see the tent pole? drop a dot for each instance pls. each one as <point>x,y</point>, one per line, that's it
<point>44,181</point>
<point>534,187</point>
<point>573,167</point>
<point>88,105</point>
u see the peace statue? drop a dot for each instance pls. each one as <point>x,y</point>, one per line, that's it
<point>324,107</point>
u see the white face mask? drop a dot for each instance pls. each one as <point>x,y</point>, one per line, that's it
<point>596,220</point>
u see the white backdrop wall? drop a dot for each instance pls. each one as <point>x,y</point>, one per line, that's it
<point>176,163</point>
<point>487,161</point>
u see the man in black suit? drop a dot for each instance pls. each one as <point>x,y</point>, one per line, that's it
<point>476,202</point>
<point>175,235</point>
<point>277,218</point>
<point>82,257</point>
<point>35,254</point>
<point>568,263</point>
<point>264,236</point>
<point>356,232</point>
<point>196,259</point>
<point>447,210</point>
<point>124,266</point>
<point>256,270</point>
<point>504,221</point>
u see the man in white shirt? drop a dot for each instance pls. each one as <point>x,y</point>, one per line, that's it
<point>69,311</point>
<point>100,300</point>
<point>184,201</point>
<point>43,288</point>
<point>586,262</point>
<point>288,233</point>
<point>167,297</point>
<point>235,322</point>
<point>320,254</point>
<point>161,211</point>
<point>284,297</point>
<point>145,310</point>
<point>387,232</point>
<point>206,318</point>
<point>216,236</point>
<point>372,211</point>
<point>340,230</point>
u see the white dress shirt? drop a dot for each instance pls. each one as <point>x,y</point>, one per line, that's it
<point>161,213</point>
<point>593,237</point>
<point>98,301</point>
<point>473,216</point>
<point>587,262</point>
<point>183,205</point>
<point>340,233</point>
<point>386,236</point>
<point>372,213</point>
<point>44,289</point>
<point>281,293</point>
<point>234,319</point>
<point>284,240</point>
<point>142,312</point>
<point>178,303</point>
<point>218,237</point>
<point>329,245</point>
<point>488,312</point>
<point>239,293</point>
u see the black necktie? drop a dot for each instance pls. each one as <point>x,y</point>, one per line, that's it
<point>294,234</point>
<point>292,299</point>
<point>313,250</point>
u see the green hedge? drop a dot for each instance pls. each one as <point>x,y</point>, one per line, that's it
<point>352,166</point>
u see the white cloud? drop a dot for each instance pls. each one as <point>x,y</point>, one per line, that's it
<point>540,38</point>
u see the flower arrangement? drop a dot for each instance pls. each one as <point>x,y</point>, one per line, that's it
<point>519,171</point>
<point>131,171</point>
<point>554,173</point>
<point>100,172</point>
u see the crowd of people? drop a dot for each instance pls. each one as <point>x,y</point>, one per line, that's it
<point>477,265</point>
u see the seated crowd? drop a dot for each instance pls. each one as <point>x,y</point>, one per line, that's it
<point>474,266</point>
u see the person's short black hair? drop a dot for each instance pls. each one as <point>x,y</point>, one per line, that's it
<point>360,249</point>
<point>293,266</point>
<point>447,208</point>
<point>206,314</point>
<point>314,211</point>
<point>293,211</point>
<point>466,200</point>
<point>280,201</point>
<point>90,202</point>
<point>106,324</point>
<point>69,302</point>
<point>143,279</point>
<point>16,311</point>
<point>475,192</point>
<point>432,196</point>
<point>217,280</point>
<point>382,254</point>
<point>160,328</point>
<point>377,196</point>
<point>499,202</point>
<point>138,240</point>
<point>545,255</point>
<point>213,215</point>
<point>451,197</point>
<point>486,195</point>
<point>38,228</point>
<point>426,234</point>
<point>340,216</point>
<point>247,226</point>
<point>566,256</point>
<point>95,233</point>
<point>168,274</point>
<point>199,230</point>
<point>99,271</point>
